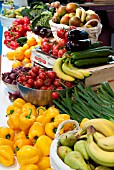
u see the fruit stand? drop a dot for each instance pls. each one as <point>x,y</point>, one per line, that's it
<point>56,92</point>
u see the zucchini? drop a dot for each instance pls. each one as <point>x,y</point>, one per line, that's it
<point>21,40</point>
<point>92,53</point>
<point>96,44</point>
<point>92,61</point>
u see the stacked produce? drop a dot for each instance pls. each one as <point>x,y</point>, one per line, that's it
<point>18,29</point>
<point>12,13</point>
<point>92,147</point>
<point>30,129</point>
<point>74,15</point>
<point>29,134</point>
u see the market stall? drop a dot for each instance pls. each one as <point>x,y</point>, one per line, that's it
<point>62,117</point>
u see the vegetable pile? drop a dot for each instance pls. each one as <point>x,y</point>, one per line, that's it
<point>18,29</point>
<point>29,134</point>
<point>39,14</point>
<point>84,102</point>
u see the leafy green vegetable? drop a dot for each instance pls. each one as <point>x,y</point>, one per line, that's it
<point>39,13</point>
<point>42,20</point>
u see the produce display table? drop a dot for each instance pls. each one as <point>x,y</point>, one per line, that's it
<point>99,74</point>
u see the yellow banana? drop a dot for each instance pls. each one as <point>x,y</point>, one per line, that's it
<point>98,155</point>
<point>102,168</point>
<point>85,73</point>
<point>97,136</point>
<point>100,125</point>
<point>70,72</point>
<point>106,143</point>
<point>80,147</point>
<point>57,67</point>
<point>110,123</point>
<point>78,12</point>
<point>83,15</point>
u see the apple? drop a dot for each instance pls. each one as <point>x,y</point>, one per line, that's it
<point>65,19</point>
<point>71,7</point>
<point>92,16</point>
<point>61,10</point>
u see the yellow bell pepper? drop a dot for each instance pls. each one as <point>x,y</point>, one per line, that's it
<point>7,133</point>
<point>48,169</point>
<point>28,155</point>
<point>61,117</point>
<point>51,128</point>
<point>20,135</point>
<point>51,112</point>
<point>26,119</point>
<point>19,102</point>
<point>12,109</point>
<point>28,106</point>
<point>6,142</point>
<point>31,41</point>
<point>44,163</point>
<point>44,142</point>
<point>13,121</point>
<point>35,131</point>
<point>43,119</point>
<point>41,110</point>
<point>21,142</point>
<point>6,155</point>
<point>29,167</point>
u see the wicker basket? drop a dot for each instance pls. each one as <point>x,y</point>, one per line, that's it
<point>6,22</point>
<point>55,161</point>
<point>93,32</point>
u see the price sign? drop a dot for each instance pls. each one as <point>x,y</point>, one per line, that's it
<point>42,59</point>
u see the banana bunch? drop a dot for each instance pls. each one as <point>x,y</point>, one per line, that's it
<point>91,148</point>
<point>66,71</point>
<point>81,13</point>
<point>98,144</point>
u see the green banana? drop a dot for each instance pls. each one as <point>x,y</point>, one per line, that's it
<point>106,143</point>
<point>70,72</point>
<point>80,147</point>
<point>57,67</point>
<point>75,160</point>
<point>102,168</point>
<point>98,155</point>
<point>85,73</point>
<point>100,125</point>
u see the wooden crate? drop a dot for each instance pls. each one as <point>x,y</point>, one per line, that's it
<point>101,74</point>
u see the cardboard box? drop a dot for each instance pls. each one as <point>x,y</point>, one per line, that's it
<point>43,59</point>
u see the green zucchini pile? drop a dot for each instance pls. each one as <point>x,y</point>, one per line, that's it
<point>83,102</point>
<point>94,56</point>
